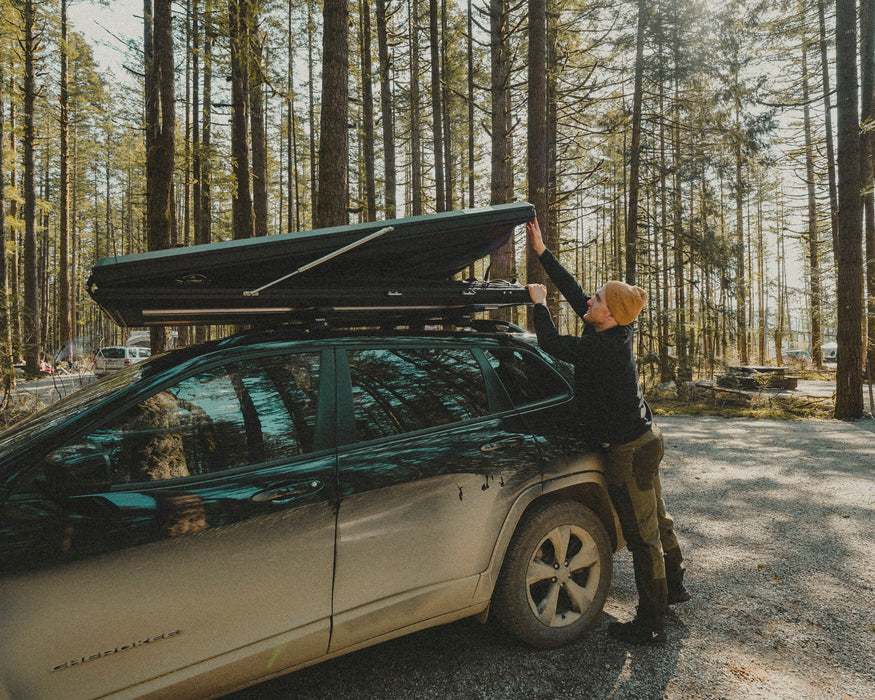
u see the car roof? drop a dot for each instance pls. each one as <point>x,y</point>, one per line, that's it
<point>265,340</point>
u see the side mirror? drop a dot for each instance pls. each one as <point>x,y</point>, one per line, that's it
<point>74,470</point>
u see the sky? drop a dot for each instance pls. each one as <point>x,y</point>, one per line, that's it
<point>106,27</point>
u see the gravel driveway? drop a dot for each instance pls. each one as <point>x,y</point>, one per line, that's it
<point>776,521</point>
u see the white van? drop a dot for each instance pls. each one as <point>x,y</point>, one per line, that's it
<point>829,352</point>
<point>116,357</point>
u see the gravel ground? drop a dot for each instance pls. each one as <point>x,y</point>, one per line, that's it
<point>776,520</point>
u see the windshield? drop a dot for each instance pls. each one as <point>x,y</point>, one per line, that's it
<point>112,353</point>
<point>67,408</point>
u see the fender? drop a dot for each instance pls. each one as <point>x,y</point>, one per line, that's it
<point>587,485</point>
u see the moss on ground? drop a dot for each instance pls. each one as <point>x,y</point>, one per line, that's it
<point>710,401</point>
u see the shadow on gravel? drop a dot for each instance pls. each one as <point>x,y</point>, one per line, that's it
<point>470,660</point>
<point>775,518</point>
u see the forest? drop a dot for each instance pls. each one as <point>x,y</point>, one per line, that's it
<point>719,155</point>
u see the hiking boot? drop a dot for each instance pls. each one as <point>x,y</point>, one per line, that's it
<point>677,593</point>
<point>674,575</point>
<point>636,632</point>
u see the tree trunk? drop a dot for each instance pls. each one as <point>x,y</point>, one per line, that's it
<point>849,387</point>
<point>256,122</point>
<point>552,218</point>
<point>682,368</point>
<point>161,126</point>
<point>761,284</point>
<point>503,264</point>
<point>681,337</point>
<point>202,201</point>
<point>205,232</point>
<point>470,40</point>
<point>782,284</point>
<point>665,372</point>
<point>537,134</point>
<point>390,179</point>
<point>195,120</point>
<point>446,108</point>
<point>311,109</point>
<point>814,284</point>
<point>436,109</point>
<point>32,330</point>
<point>867,61</point>
<point>241,203</point>
<point>6,371</point>
<point>741,287</point>
<point>827,109</point>
<point>16,329</point>
<point>368,112</point>
<point>65,283</point>
<point>635,150</point>
<point>333,196</point>
<point>294,192</point>
<point>187,135</point>
<point>415,114</point>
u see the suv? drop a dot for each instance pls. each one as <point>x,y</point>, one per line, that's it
<point>116,357</point>
<point>224,513</point>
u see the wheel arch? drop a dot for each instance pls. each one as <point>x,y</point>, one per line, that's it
<point>587,488</point>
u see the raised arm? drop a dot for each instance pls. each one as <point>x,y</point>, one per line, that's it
<point>564,281</point>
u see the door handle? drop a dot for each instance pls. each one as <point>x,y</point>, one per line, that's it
<point>281,494</point>
<point>504,443</point>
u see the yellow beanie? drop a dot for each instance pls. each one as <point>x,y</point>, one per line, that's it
<point>624,301</point>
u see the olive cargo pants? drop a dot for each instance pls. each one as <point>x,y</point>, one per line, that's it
<point>636,492</point>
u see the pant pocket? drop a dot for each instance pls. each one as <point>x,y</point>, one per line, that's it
<point>646,461</point>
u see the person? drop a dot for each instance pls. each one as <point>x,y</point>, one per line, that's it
<point>613,413</point>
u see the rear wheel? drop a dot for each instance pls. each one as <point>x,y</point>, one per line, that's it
<point>556,575</point>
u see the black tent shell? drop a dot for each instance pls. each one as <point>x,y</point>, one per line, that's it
<point>401,265</point>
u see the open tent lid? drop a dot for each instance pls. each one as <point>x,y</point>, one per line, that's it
<point>403,265</point>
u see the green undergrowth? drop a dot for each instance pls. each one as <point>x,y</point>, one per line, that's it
<point>711,401</point>
<point>667,407</point>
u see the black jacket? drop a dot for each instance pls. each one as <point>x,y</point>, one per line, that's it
<point>611,406</point>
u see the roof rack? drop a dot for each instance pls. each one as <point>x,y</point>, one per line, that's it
<point>155,307</point>
<point>426,323</point>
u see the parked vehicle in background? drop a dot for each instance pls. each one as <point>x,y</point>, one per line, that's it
<point>797,355</point>
<point>830,351</point>
<point>115,357</point>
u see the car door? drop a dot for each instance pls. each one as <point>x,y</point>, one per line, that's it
<point>188,537</point>
<point>432,462</point>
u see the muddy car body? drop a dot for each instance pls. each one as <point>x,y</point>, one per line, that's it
<point>228,512</point>
<point>276,531</point>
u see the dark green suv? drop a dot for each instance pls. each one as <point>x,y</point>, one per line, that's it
<point>228,512</point>
<point>225,513</point>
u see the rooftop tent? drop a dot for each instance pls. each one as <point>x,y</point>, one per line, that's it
<point>402,264</point>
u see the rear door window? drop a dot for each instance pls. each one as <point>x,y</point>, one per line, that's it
<point>527,378</point>
<point>403,390</point>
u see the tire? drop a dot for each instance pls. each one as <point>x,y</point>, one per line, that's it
<point>556,575</point>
